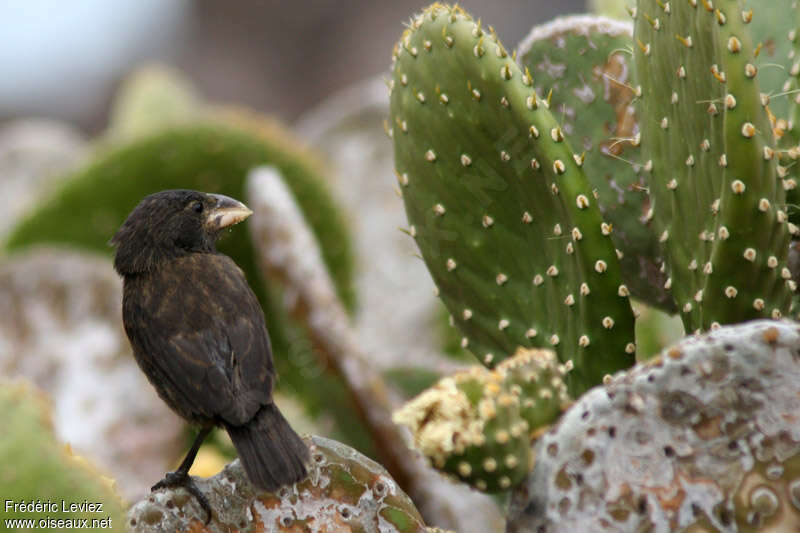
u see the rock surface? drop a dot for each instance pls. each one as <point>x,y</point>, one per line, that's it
<point>344,492</point>
<point>705,436</point>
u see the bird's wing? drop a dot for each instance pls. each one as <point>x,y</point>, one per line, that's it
<point>205,339</point>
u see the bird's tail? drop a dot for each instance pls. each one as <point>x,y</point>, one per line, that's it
<point>271,452</point>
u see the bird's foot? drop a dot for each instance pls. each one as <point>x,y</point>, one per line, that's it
<point>182,479</point>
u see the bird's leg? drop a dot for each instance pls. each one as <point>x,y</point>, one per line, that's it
<point>181,477</point>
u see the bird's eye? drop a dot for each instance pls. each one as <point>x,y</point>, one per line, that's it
<point>197,207</point>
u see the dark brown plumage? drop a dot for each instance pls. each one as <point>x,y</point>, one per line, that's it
<point>198,332</point>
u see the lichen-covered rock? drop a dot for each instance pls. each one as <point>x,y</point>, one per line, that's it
<point>61,328</point>
<point>344,492</point>
<point>706,436</point>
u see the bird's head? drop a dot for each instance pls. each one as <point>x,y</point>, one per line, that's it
<point>170,224</point>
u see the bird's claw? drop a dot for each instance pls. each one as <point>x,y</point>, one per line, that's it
<point>182,479</point>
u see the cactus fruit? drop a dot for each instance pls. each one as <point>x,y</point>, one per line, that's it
<point>471,428</point>
<point>582,64</point>
<point>499,205</point>
<point>477,424</point>
<point>705,436</point>
<point>714,183</point>
<point>344,491</point>
<point>536,378</point>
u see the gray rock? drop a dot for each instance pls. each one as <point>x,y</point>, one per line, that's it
<point>345,492</point>
<point>707,434</point>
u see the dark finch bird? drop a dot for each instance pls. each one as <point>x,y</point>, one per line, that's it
<point>198,333</point>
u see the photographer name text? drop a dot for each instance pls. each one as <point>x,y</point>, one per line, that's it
<point>51,522</point>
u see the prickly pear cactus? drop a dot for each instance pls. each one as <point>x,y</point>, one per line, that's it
<point>582,64</point>
<point>708,150</point>
<point>477,424</point>
<point>705,437</point>
<point>499,205</point>
<point>344,492</point>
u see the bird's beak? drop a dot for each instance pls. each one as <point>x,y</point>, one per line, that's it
<point>226,212</point>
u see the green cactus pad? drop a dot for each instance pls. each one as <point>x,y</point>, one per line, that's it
<point>617,9</point>
<point>36,467</point>
<point>477,425</point>
<point>585,61</point>
<point>774,34</point>
<point>498,203</point>
<point>152,98</point>
<point>705,138</point>
<point>776,38</point>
